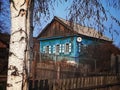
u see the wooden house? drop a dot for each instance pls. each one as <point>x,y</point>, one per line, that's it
<point>65,39</point>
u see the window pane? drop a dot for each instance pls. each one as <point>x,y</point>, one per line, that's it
<point>63,48</point>
<point>54,49</point>
<point>47,49</point>
<point>67,48</point>
<point>57,49</point>
<point>60,50</point>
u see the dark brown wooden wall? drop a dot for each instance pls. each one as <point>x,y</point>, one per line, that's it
<point>56,29</point>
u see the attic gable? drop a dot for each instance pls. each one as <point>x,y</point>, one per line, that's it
<point>54,29</point>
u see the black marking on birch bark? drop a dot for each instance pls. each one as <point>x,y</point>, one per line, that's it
<point>18,82</point>
<point>25,50</point>
<point>11,53</point>
<point>19,30</point>
<point>11,67</point>
<point>13,42</point>
<point>9,85</point>
<point>21,13</point>
<point>22,38</point>
<point>23,3</point>
<point>11,1</point>
<point>15,72</point>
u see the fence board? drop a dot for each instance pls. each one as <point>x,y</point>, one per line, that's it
<point>84,83</point>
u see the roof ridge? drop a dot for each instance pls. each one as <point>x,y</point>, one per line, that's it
<point>72,22</point>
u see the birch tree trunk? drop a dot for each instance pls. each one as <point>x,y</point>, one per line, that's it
<point>19,45</point>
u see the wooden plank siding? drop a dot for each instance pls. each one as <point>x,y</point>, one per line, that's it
<point>56,29</point>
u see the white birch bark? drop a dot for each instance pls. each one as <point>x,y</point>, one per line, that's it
<point>18,63</point>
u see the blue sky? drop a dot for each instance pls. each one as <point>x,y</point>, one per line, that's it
<point>116,14</point>
<point>5,18</point>
<point>60,11</point>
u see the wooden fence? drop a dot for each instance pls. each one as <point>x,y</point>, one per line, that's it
<point>82,83</point>
<point>106,82</point>
<point>56,70</point>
